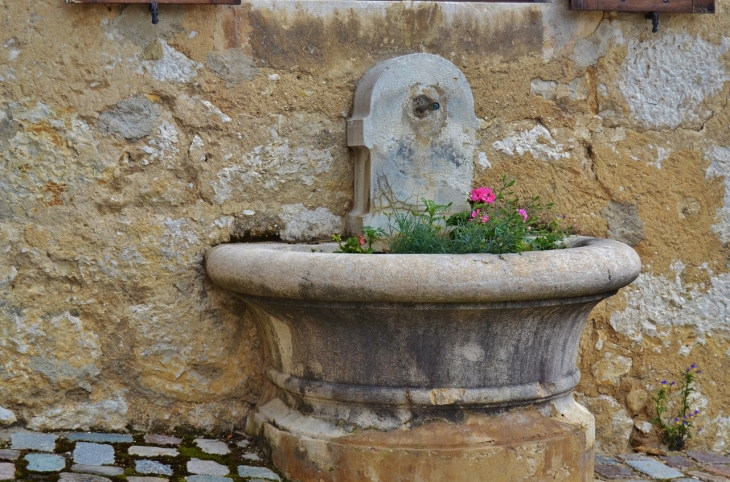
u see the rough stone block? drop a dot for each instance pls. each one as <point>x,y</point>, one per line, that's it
<point>654,468</point>
<point>252,457</point>
<point>7,471</point>
<point>415,116</point>
<point>161,439</point>
<point>9,454</point>
<point>677,461</point>
<point>206,467</point>
<point>624,223</point>
<point>152,467</point>
<point>705,477</point>
<point>206,478</point>
<point>612,472</point>
<point>152,451</point>
<point>260,472</point>
<point>87,453</point>
<point>7,417</point>
<point>133,118</point>
<point>606,460</point>
<point>112,438</point>
<point>625,457</point>
<point>723,470</point>
<point>42,442</point>
<point>212,446</point>
<point>709,457</point>
<point>45,462</point>
<point>71,477</point>
<point>108,470</point>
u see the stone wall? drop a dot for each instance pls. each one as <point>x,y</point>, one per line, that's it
<point>127,150</point>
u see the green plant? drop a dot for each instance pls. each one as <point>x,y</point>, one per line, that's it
<point>675,419</point>
<point>496,223</point>
<point>357,244</point>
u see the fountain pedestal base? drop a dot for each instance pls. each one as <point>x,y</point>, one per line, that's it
<point>521,445</point>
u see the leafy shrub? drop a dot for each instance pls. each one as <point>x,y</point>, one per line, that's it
<point>496,223</point>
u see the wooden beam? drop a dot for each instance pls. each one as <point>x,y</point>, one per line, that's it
<point>660,6</point>
<point>188,2</point>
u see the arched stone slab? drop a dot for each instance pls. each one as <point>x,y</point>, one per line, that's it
<point>413,129</point>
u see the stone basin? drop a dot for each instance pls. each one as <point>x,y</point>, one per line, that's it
<point>447,366</point>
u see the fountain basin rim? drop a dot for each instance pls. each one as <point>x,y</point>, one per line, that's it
<point>589,266</point>
<point>440,397</point>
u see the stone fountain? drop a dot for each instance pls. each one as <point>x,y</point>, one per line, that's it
<point>421,368</point>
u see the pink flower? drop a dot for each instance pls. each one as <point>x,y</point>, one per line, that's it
<point>474,214</point>
<point>483,195</point>
<point>485,218</point>
<point>362,240</point>
<point>523,213</point>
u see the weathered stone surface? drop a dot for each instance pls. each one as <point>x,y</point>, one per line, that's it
<point>135,280</point>
<point>152,467</point>
<point>7,417</point>
<point>612,472</point>
<point>233,66</point>
<point>252,457</point>
<point>610,370</point>
<point>7,471</point>
<point>677,461</point>
<point>491,444</point>
<point>112,438</point>
<point>606,460</point>
<point>34,441</point>
<point>161,439</point>
<point>413,121</point>
<point>708,457</point>
<point>718,469</point>
<point>636,400</point>
<point>146,451</point>
<point>45,462</point>
<point>705,477</point>
<point>146,479</point>
<point>71,477</point>
<point>206,478</point>
<point>93,454</point>
<point>212,446</point>
<point>260,472</point>
<point>98,469</point>
<point>654,469</point>
<point>612,436</point>
<point>206,467</point>
<point>9,454</point>
<point>132,118</point>
<point>624,223</point>
<point>682,105</point>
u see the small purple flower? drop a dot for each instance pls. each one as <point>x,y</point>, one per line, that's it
<point>664,382</point>
<point>673,383</point>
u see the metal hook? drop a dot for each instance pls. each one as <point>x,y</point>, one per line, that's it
<point>153,9</point>
<point>654,17</point>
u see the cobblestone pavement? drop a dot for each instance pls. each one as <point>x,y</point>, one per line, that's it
<point>139,457</point>
<point>676,466</point>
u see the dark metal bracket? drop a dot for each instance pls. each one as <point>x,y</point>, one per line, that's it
<point>654,17</point>
<point>155,13</point>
